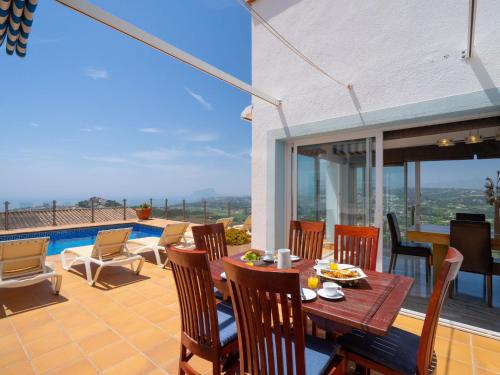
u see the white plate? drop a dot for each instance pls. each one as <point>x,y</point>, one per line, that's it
<point>360,272</point>
<point>309,294</point>
<point>294,258</point>
<point>322,294</point>
<point>223,276</point>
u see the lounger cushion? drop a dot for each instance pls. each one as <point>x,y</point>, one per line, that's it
<point>227,323</point>
<point>81,251</point>
<point>397,350</point>
<point>144,241</point>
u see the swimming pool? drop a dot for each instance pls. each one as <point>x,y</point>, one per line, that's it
<point>64,238</point>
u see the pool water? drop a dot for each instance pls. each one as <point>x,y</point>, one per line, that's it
<point>62,239</point>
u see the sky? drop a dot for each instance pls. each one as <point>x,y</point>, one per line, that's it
<point>92,112</point>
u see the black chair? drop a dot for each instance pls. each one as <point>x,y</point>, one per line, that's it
<point>469,216</point>
<point>472,239</point>
<point>418,249</point>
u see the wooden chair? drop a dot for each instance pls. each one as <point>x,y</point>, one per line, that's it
<point>271,334</point>
<point>306,239</point>
<point>402,352</point>
<point>399,247</point>
<point>208,329</point>
<point>470,216</point>
<point>212,239</point>
<point>356,246</point>
<point>472,239</point>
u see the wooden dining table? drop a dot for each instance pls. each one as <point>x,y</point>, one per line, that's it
<point>439,236</point>
<point>372,305</point>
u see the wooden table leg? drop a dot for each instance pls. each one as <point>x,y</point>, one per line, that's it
<point>438,255</point>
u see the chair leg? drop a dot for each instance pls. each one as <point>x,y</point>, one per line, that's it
<point>390,263</point>
<point>56,284</point>
<point>427,271</point>
<point>394,264</point>
<point>484,286</point>
<point>139,267</point>
<point>489,279</point>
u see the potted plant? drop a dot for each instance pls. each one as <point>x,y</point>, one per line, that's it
<point>237,240</point>
<point>492,195</point>
<point>143,211</point>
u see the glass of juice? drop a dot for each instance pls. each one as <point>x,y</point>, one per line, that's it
<point>312,280</point>
<point>334,265</point>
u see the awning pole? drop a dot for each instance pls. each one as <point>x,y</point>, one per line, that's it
<point>134,32</point>
<point>472,27</point>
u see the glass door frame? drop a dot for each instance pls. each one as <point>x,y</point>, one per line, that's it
<point>291,165</point>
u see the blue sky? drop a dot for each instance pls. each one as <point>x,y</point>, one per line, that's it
<point>92,112</point>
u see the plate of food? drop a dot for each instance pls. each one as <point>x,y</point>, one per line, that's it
<point>251,256</point>
<point>342,275</point>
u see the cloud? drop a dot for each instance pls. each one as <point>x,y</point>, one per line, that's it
<point>200,99</point>
<point>106,159</point>
<point>219,152</point>
<point>93,128</point>
<point>35,125</point>
<point>97,73</point>
<point>196,136</point>
<point>150,130</point>
<point>160,154</point>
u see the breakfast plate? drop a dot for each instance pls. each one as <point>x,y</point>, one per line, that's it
<point>251,256</point>
<point>343,274</point>
<point>307,294</point>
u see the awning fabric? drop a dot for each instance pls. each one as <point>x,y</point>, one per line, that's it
<point>16,18</point>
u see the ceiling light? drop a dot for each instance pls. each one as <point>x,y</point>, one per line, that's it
<point>473,138</point>
<point>445,142</point>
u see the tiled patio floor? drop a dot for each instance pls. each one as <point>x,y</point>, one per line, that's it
<point>130,325</point>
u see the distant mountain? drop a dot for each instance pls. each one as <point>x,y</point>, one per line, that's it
<point>202,194</point>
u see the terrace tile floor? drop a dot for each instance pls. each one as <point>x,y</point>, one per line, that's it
<point>130,325</point>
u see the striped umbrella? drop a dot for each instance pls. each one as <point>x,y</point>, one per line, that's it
<point>16,18</point>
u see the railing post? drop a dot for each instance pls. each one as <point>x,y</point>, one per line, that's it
<point>228,209</point>
<point>6,215</point>
<point>92,210</point>
<point>54,221</point>
<point>183,210</point>
<point>124,209</point>
<point>205,211</point>
<point>166,208</point>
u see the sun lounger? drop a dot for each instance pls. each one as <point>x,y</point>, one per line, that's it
<point>172,234</point>
<point>109,250</point>
<point>22,263</point>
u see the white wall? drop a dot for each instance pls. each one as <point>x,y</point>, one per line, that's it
<point>394,52</point>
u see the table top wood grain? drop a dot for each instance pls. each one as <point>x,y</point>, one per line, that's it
<point>371,306</point>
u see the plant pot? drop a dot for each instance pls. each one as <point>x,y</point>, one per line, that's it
<point>143,213</point>
<point>231,250</point>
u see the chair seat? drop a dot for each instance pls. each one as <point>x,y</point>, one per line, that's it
<point>319,354</point>
<point>397,350</point>
<point>419,249</point>
<point>227,323</point>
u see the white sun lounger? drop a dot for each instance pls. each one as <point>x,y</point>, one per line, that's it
<point>247,225</point>
<point>22,263</point>
<point>109,250</point>
<point>172,234</point>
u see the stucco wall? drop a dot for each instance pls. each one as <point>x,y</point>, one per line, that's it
<point>395,53</point>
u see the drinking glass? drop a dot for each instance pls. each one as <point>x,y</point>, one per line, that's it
<point>334,264</point>
<point>312,280</point>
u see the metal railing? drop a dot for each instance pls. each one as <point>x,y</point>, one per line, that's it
<point>53,214</point>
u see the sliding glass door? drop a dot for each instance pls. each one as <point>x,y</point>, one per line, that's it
<point>335,183</point>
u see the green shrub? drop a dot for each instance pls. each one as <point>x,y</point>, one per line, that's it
<point>236,237</point>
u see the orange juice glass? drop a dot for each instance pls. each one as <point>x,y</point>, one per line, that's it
<point>334,265</point>
<point>312,281</point>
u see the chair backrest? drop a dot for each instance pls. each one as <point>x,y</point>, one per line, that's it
<point>449,270</point>
<point>356,245</point>
<point>226,221</point>
<point>306,239</point>
<point>212,239</point>
<point>263,322</point>
<point>392,219</point>
<point>470,216</point>
<point>111,243</point>
<point>247,225</point>
<point>472,239</point>
<point>20,258</point>
<point>172,233</point>
<point>195,289</point>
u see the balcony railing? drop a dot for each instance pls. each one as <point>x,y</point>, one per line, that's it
<point>53,214</point>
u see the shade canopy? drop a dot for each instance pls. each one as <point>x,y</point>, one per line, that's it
<point>16,18</point>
